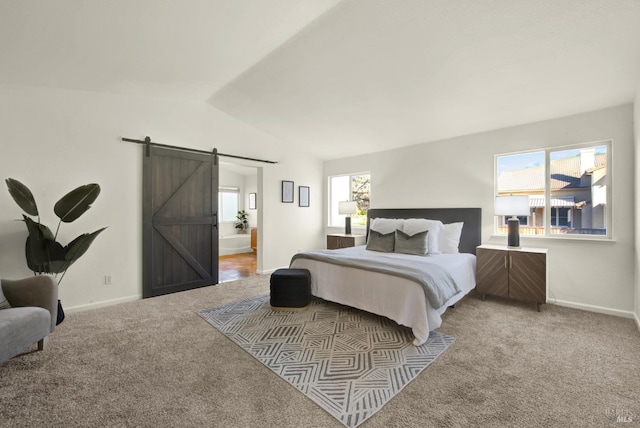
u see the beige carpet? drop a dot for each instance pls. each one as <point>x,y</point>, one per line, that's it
<point>156,363</point>
<point>349,362</point>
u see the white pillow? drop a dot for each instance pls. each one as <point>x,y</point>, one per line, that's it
<point>417,225</point>
<point>450,237</point>
<point>386,225</point>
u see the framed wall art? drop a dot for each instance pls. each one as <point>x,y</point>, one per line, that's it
<point>287,191</point>
<point>303,196</point>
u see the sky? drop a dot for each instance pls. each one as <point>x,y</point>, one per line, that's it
<point>531,159</point>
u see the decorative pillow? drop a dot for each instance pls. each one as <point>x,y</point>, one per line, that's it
<point>415,225</point>
<point>381,242</point>
<point>450,237</point>
<point>386,225</point>
<point>412,244</point>
<point>4,303</point>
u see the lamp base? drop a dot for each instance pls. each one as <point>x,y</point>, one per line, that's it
<point>513,237</point>
<point>347,225</point>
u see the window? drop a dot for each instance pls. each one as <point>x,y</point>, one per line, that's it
<point>228,203</point>
<point>568,189</point>
<point>354,187</point>
<point>524,221</point>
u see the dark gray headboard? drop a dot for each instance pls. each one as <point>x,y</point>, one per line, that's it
<point>472,217</point>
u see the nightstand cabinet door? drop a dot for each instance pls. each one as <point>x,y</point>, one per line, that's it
<point>335,242</point>
<point>519,274</point>
<point>528,276</point>
<point>492,272</point>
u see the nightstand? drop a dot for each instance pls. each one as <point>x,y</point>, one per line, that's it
<point>340,240</point>
<point>515,273</point>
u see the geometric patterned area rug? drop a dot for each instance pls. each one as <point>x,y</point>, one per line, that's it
<point>349,362</point>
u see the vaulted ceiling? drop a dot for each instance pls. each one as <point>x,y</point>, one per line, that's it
<point>337,77</point>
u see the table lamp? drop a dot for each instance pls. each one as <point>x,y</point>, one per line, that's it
<point>347,208</point>
<point>513,205</point>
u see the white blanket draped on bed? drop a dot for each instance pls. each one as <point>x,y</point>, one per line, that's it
<point>399,299</point>
<point>436,281</point>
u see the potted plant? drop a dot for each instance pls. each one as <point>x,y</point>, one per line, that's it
<point>242,222</point>
<point>44,254</point>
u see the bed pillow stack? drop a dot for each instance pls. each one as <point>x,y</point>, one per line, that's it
<point>413,226</point>
<point>382,233</point>
<point>384,242</point>
<point>450,237</point>
<point>417,236</point>
<point>417,244</point>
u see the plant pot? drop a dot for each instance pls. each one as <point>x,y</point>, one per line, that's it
<point>60,317</point>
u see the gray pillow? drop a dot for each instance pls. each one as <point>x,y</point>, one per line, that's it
<point>4,303</point>
<point>417,244</point>
<point>381,242</point>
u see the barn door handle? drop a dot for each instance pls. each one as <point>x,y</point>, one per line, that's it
<point>215,220</point>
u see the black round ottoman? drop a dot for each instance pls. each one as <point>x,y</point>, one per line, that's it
<point>290,289</point>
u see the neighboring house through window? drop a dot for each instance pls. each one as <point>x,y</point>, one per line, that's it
<point>567,188</point>
<point>349,187</point>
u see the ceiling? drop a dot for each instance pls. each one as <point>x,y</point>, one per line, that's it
<point>337,78</point>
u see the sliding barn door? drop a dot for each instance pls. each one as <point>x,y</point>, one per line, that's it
<point>180,225</point>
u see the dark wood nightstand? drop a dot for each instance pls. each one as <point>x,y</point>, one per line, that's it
<point>340,240</point>
<point>516,273</point>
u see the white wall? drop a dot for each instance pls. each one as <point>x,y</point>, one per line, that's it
<point>636,121</point>
<point>285,226</point>
<point>54,140</point>
<point>459,172</point>
<point>250,186</point>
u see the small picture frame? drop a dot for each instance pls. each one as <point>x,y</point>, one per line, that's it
<point>303,196</point>
<point>252,201</point>
<point>287,191</point>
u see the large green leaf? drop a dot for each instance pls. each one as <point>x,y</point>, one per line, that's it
<point>76,202</point>
<point>80,245</point>
<point>31,263</point>
<point>73,252</point>
<point>36,230</point>
<point>40,247</point>
<point>23,196</point>
<point>41,254</point>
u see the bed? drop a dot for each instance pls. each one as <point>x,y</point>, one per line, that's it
<point>399,298</point>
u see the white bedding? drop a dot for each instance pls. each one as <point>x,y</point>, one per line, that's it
<point>399,299</point>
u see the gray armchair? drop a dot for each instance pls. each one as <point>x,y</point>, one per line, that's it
<point>32,316</point>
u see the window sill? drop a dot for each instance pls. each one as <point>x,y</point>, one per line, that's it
<point>573,239</point>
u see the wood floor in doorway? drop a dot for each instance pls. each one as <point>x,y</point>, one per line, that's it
<point>236,266</point>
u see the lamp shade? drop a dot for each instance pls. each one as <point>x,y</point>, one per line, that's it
<point>347,207</point>
<point>513,205</point>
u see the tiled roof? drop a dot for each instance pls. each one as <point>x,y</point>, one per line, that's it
<point>562,201</point>
<point>565,174</point>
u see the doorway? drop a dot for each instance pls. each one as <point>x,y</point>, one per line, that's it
<point>238,186</point>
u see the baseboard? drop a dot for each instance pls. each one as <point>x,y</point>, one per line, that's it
<point>102,304</point>
<point>270,271</point>
<point>232,251</point>
<point>637,319</point>
<point>594,308</point>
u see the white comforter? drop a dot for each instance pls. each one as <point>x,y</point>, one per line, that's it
<point>399,299</point>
